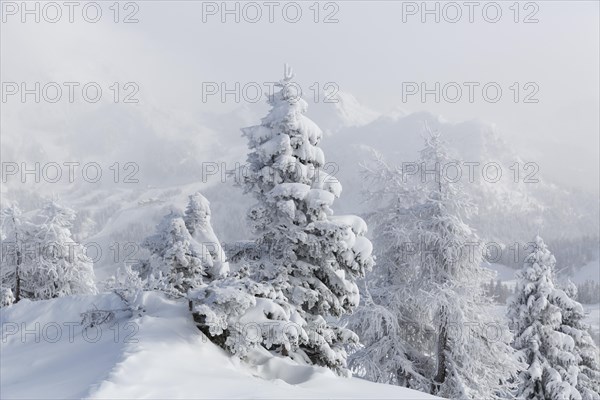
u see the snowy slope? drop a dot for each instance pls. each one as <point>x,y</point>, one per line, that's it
<point>344,111</point>
<point>592,318</point>
<point>503,273</point>
<point>158,355</point>
<point>32,366</point>
<point>589,272</point>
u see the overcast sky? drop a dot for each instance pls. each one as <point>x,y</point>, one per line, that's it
<point>374,50</point>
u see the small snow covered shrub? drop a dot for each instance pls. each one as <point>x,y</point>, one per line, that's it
<point>129,286</point>
<point>6,296</point>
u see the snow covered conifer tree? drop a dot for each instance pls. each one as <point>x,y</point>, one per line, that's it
<point>430,281</point>
<point>184,252</point>
<point>12,258</point>
<point>536,313</point>
<point>386,354</point>
<point>197,221</point>
<point>177,262</point>
<point>310,256</point>
<point>588,378</point>
<point>58,266</point>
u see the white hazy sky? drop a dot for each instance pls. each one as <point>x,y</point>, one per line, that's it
<point>370,52</point>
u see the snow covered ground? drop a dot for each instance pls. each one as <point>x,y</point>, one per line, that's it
<point>47,354</point>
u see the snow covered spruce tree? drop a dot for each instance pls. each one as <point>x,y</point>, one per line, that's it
<point>55,265</point>
<point>588,379</point>
<point>308,255</point>
<point>12,240</point>
<point>184,252</point>
<point>429,326</point>
<point>548,332</point>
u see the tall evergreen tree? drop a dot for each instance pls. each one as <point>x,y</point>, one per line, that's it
<point>310,256</point>
<point>431,281</point>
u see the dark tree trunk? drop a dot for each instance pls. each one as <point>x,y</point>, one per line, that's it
<point>442,346</point>
<point>17,286</point>
<point>18,265</point>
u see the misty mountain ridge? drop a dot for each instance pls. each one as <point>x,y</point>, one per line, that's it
<point>181,149</point>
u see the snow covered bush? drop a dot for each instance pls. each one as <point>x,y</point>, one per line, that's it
<point>6,296</point>
<point>129,286</point>
<point>561,358</point>
<point>426,305</point>
<point>313,258</point>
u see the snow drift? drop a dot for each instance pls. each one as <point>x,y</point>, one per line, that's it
<point>47,353</point>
